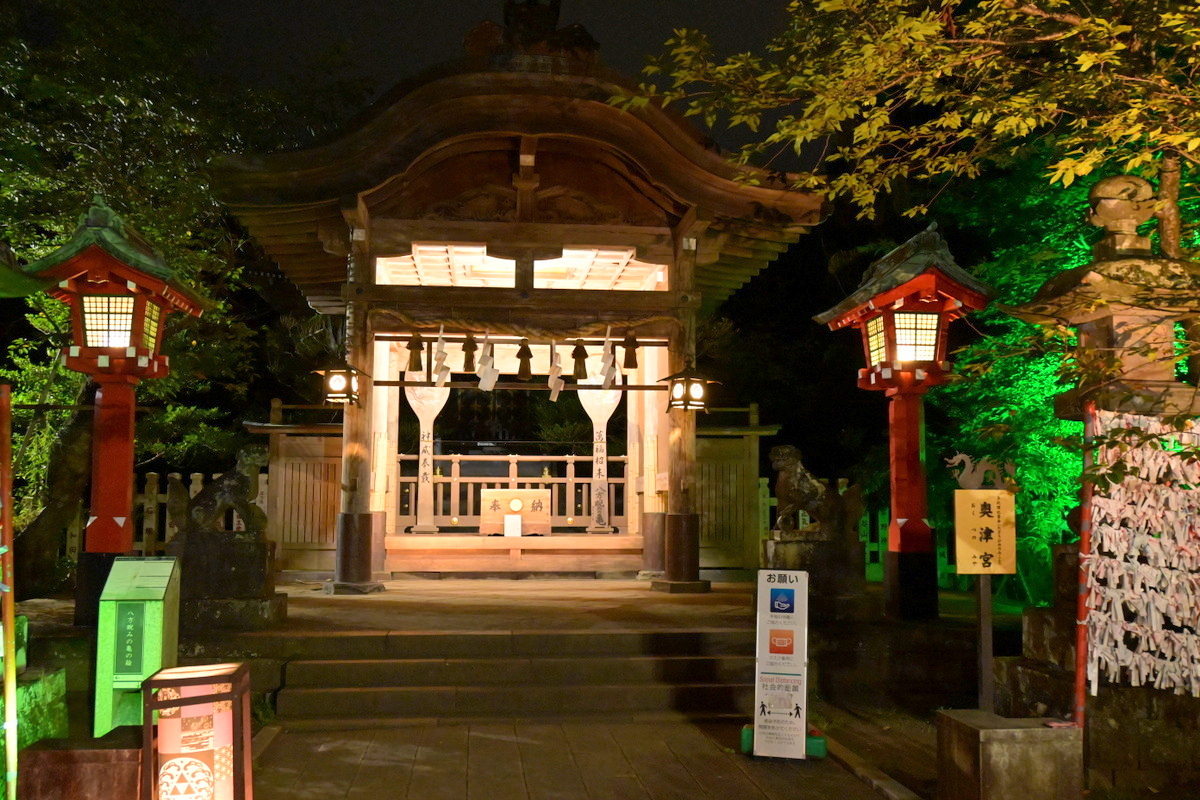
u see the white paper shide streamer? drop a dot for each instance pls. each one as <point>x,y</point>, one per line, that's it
<point>554,379</point>
<point>440,370</point>
<point>486,370</point>
<point>1143,575</point>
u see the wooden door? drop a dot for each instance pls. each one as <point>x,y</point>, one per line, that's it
<point>727,501</point>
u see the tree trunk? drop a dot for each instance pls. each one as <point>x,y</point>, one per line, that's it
<point>36,549</point>
<point>1169,226</point>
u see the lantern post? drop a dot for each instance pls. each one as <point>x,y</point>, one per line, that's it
<point>119,291</point>
<point>903,308</point>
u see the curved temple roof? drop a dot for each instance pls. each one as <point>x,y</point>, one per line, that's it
<point>453,146</point>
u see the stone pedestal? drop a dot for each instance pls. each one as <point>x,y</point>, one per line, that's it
<point>108,768</point>
<point>228,583</point>
<point>982,756</point>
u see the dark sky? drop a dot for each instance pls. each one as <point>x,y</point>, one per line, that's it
<point>395,39</point>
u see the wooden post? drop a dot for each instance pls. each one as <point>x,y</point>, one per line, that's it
<point>355,523</point>
<point>682,525</point>
<point>987,693</point>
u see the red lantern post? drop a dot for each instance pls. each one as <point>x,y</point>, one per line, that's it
<point>120,292</point>
<point>903,308</point>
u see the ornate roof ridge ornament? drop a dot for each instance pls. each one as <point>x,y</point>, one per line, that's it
<point>530,39</point>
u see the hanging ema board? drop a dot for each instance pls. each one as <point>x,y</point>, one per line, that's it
<point>781,680</point>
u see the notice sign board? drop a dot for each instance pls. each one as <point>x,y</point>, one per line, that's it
<point>130,640</point>
<point>781,680</point>
<point>985,532</point>
<point>531,506</point>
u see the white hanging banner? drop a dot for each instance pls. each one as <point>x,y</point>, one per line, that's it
<point>781,679</point>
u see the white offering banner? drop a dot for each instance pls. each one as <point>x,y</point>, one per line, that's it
<point>781,681</point>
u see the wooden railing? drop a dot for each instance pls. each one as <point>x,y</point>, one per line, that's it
<point>459,481</point>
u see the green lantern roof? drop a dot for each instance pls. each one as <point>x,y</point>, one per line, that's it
<point>103,227</point>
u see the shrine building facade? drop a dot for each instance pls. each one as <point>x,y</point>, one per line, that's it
<point>501,214</point>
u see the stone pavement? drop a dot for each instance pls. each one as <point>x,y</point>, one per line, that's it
<point>491,759</point>
<point>537,760</point>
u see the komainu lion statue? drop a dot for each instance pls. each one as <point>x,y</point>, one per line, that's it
<point>796,489</point>
<point>235,489</point>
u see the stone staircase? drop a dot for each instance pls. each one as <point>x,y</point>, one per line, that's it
<point>376,679</point>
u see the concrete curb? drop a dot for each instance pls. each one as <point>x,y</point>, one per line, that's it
<point>263,740</point>
<point>867,772</point>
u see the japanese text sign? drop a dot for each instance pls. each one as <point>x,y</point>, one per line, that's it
<point>985,529</point>
<point>781,685</point>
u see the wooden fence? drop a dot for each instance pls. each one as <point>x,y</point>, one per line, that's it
<point>152,528</point>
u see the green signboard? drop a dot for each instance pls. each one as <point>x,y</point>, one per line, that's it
<point>127,655</point>
<point>138,635</point>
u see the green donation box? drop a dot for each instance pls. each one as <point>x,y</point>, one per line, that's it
<point>138,635</point>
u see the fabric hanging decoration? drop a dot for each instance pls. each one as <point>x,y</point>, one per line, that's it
<point>630,344</point>
<point>415,346</point>
<point>524,357</point>
<point>441,372</point>
<point>579,354</point>
<point>469,347</point>
<point>555,381</point>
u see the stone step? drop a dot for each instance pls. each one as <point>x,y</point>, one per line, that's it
<point>337,644</point>
<point>542,671</point>
<point>512,701</point>
<point>590,718</point>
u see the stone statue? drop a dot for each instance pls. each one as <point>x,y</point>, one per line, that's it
<point>228,577</point>
<point>796,489</point>
<point>204,513</point>
<point>829,548</point>
<point>1119,205</point>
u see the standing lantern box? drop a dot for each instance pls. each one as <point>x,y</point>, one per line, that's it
<point>200,749</point>
<point>138,635</point>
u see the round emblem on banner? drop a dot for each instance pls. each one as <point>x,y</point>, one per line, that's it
<point>185,779</point>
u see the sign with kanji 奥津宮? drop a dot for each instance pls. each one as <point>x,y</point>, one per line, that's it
<point>985,532</point>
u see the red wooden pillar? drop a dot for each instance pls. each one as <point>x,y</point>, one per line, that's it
<point>110,523</point>
<point>911,559</point>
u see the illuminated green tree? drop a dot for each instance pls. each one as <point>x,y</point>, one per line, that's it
<point>878,93</point>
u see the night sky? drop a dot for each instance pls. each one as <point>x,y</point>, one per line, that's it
<point>395,39</point>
